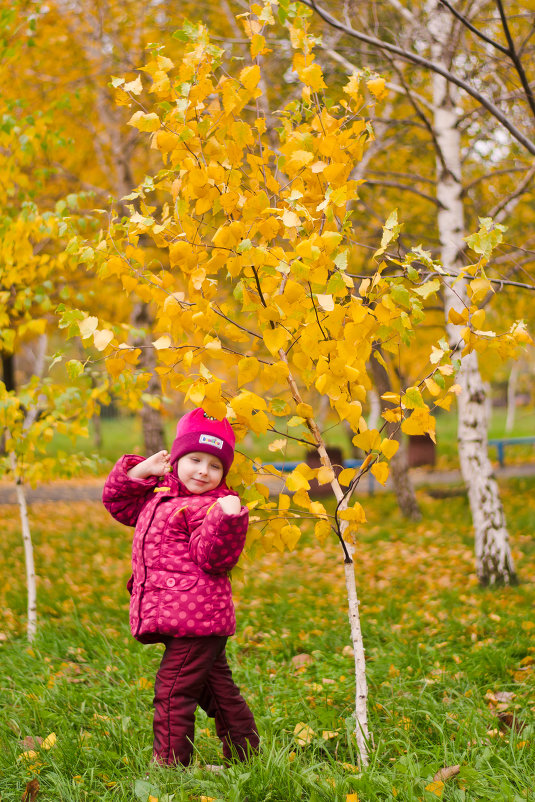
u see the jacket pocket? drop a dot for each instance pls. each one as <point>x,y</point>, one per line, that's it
<point>173,580</point>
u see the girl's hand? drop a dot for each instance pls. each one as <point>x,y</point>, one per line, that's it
<point>231,505</point>
<point>156,465</point>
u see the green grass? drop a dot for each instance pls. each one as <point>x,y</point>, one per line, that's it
<point>440,651</point>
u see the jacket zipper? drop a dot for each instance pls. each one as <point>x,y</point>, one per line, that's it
<point>142,591</point>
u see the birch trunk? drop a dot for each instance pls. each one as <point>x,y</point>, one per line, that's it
<point>511,398</point>
<point>399,466</point>
<point>28,550</point>
<point>151,419</point>
<point>361,687</point>
<point>494,563</point>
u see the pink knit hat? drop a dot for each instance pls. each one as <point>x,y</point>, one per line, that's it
<point>196,431</point>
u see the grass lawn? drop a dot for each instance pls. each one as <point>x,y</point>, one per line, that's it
<point>451,667</point>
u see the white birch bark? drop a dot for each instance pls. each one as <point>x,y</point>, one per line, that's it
<point>28,551</point>
<point>511,397</point>
<point>362,734</point>
<point>494,563</point>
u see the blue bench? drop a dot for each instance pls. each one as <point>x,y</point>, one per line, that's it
<point>501,442</point>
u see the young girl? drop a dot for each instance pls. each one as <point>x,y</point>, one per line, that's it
<point>189,532</point>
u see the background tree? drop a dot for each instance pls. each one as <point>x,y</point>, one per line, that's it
<point>440,117</point>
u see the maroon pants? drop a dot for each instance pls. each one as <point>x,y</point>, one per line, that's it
<point>194,671</point>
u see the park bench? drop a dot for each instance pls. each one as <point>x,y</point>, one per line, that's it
<point>501,442</point>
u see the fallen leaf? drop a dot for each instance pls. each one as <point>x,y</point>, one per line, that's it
<point>31,791</point>
<point>31,742</point>
<point>301,660</point>
<point>509,720</point>
<point>444,774</point>
<point>303,733</point>
<point>49,741</point>
<point>436,788</point>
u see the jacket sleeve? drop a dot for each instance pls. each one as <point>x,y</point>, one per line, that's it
<point>124,497</point>
<point>216,543</point>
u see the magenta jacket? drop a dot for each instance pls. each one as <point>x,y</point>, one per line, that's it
<point>184,546</point>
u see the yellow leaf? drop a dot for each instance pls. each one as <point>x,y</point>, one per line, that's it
<point>329,734</point>
<point>352,798</point>
<point>284,502</point>
<point>102,339</point>
<point>248,369</point>
<point>380,471</point>
<point>346,476</point>
<point>134,87</point>
<point>144,122</point>
<point>312,76</point>
<point>300,158</point>
<point>436,788</point>
<point>389,447</point>
<point>322,530</point>
<point>354,514</point>
<point>290,535</point>
<point>250,76</point>
<point>144,683</point>
<point>49,741</point>
<point>326,302</point>
<point>367,441</point>
<point>304,410</point>
<point>458,319</point>
<point>325,475</point>
<point>296,481</point>
<point>115,366</point>
<point>433,387</point>
<point>480,288</point>
<point>278,445</point>
<point>478,318</point>
<point>275,339</point>
<point>152,798</point>
<point>377,87</point>
<point>303,733</point>
<point>419,422</point>
<point>88,326</point>
<point>290,219</point>
<point>162,342</point>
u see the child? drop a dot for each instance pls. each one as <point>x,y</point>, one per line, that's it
<point>190,531</point>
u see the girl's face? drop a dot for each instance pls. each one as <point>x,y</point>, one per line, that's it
<point>199,472</point>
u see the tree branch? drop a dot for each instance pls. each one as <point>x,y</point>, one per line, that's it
<point>430,65</point>
<point>513,55</point>
<point>472,28</point>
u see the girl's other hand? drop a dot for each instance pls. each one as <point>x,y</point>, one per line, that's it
<point>231,505</point>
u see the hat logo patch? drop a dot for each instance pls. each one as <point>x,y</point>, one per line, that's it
<point>210,440</point>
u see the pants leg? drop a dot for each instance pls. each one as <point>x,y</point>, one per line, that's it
<point>185,667</point>
<point>222,700</point>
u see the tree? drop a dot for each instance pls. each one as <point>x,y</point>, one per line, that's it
<point>257,315</point>
<point>440,28</point>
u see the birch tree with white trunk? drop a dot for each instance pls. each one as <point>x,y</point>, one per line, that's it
<point>432,36</point>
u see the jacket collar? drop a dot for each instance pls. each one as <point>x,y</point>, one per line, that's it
<point>174,487</point>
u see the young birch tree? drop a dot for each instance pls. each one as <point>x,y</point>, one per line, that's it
<point>256,314</point>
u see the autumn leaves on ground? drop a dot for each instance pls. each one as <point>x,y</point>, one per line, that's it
<point>450,667</point>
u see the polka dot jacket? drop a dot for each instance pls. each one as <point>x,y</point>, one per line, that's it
<point>184,546</point>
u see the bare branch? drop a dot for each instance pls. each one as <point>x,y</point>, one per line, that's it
<point>415,58</point>
<point>406,188</point>
<point>515,58</point>
<point>472,28</point>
